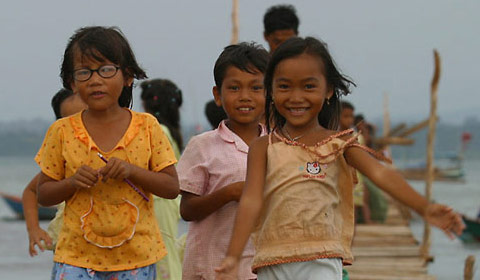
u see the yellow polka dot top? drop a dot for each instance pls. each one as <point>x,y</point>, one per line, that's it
<point>108,227</point>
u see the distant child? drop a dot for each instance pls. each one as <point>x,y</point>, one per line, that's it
<point>215,114</point>
<point>347,113</point>
<point>298,191</point>
<point>162,98</point>
<point>64,103</point>
<point>280,23</point>
<point>109,229</point>
<point>360,195</point>
<point>373,196</point>
<point>213,166</point>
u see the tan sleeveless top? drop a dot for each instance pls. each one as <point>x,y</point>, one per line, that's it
<point>308,204</point>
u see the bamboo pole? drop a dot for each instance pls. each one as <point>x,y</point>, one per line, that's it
<point>397,129</point>
<point>430,150</point>
<point>234,39</point>
<point>386,122</point>
<point>392,140</point>
<point>417,127</point>
<point>386,116</point>
<point>468,270</point>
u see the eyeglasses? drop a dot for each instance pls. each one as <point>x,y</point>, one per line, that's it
<point>105,71</point>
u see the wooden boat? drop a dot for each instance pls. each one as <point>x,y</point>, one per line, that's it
<point>452,174</point>
<point>471,233</point>
<point>15,204</point>
<point>448,167</point>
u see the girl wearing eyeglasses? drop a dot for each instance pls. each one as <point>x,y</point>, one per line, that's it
<point>105,163</point>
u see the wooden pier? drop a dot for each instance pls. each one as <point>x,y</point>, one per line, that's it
<point>388,251</point>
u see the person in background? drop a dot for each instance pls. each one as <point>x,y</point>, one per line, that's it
<point>373,196</point>
<point>64,103</point>
<point>362,210</point>
<point>162,98</point>
<point>280,23</point>
<point>214,113</point>
<point>346,115</point>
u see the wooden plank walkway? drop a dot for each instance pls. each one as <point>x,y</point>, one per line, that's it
<point>387,251</point>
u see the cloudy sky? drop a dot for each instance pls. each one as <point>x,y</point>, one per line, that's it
<point>385,46</point>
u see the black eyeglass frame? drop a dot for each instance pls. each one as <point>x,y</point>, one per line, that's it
<point>91,71</point>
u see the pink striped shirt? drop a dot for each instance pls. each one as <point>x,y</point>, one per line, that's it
<point>210,162</point>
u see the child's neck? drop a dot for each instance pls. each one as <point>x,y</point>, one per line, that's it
<point>105,116</point>
<point>248,132</point>
<point>295,131</point>
<point>106,128</point>
<point>308,134</point>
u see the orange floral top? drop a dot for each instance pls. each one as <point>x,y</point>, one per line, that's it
<point>108,227</point>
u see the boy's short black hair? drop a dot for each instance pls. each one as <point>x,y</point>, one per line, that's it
<point>280,17</point>
<point>248,57</point>
<point>214,113</point>
<point>347,105</point>
<point>58,99</point>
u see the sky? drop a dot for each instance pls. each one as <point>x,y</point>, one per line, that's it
<point>386,47</point>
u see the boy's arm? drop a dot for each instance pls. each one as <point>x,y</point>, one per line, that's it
<point>251,204</point>
<point>30,212</point>
<point>196,207</point>
<point>393,183</point>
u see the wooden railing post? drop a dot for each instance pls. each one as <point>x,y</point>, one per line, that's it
<point>468,270</point>
<point>430,150</point>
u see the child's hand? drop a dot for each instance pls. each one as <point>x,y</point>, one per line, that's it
<point>235,190</point>
<point>444,218</point>
<point>228,270</point>
<point>36,236</point>
<point>115,169</point>
<point>85,177</point>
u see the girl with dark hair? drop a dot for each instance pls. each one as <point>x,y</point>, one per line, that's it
<point>298,190</point>
<point>105,162</point>
<point>162,98</point>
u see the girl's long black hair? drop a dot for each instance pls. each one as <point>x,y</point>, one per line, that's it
<point>162,98</point>
<point>330,113</point>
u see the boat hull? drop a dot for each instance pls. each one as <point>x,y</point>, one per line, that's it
<point>16,205</point>
<point>471,234</point>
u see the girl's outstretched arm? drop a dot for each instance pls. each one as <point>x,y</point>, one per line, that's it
<point>30,210</point>
<point>249,208</point>
<point>393,183</point>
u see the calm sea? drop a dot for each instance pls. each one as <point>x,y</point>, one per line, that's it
<point>15,263</point>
